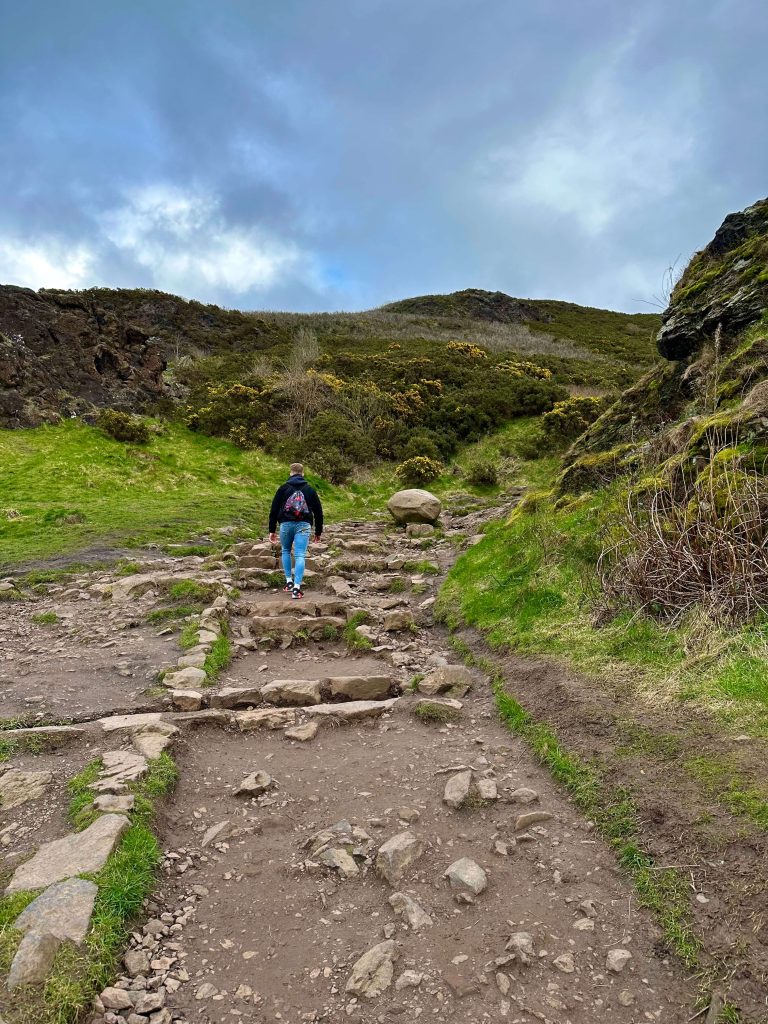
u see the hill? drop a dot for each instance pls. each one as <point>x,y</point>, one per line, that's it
<point>67,353</point>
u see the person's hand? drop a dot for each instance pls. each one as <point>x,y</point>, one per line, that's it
<point>273,538</point>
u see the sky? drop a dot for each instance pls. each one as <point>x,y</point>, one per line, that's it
<point>340,154</point>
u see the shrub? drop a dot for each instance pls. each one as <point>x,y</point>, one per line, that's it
<point>482,472</point>
<point>123,427</point>
<point>419,471</point>
<point>422,444</point>
<point>332,430</point>
<point>331,464</point>
<point>567,420</point>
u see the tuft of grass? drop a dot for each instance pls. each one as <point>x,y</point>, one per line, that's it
<point>432,711</point>
<point>192,591</point>
<point>423,568</point>
<point>45,618</point>
<point>356,641</point>
<point>722,780</point>
<point>181,611</point>
<point>81,812</point>
<point>329,632</point>
<point>127,569</point>
<point>397,585</point>
<point>219,657</point>
<point>189,636</point>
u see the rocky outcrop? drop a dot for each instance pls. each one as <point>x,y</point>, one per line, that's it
<point>63,354</point>
<point>726,284</point>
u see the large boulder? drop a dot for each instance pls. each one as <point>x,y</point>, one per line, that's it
<point>414,505</point>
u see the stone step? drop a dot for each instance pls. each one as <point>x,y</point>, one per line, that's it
<point>281,718</point>
<point>315,627</point>
<point>274,563</point>
<point>293,692</point>
<point>310,604</point>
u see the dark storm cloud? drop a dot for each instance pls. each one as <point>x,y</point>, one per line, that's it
<point>346,153</point>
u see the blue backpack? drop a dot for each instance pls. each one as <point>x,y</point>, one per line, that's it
<point>296,506</point>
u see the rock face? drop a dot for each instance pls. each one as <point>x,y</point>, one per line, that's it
<point>721,285</point>
<point>55,344</point>
<point>79,854</point>
<point>414,505</point>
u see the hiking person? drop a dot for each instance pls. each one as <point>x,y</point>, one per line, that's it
<point>296,508</point>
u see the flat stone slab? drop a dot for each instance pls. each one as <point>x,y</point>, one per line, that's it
<point>126,723</point>
<point>151,740</point>
<point>185,678</point>
<point>78,854</point>
<point>322,605</point>
<point>267,718</point>
<point>313,626</point>
<point>360,687</point>
<point>34,959</point>
<point>235,696</point>
<point>64,910</point>
<point>352,710</point>
<point>295,692</point>
<point>58,733</point>
<point>18,787</point>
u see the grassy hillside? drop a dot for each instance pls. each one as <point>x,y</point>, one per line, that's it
<point>75,489</point>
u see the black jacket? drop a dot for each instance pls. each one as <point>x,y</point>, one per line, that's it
<point>283,493</point>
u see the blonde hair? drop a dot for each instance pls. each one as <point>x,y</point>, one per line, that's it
<point>297,469</point>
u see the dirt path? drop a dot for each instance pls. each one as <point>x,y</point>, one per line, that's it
<point>320,892</point>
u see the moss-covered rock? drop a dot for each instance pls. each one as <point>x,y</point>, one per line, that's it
<point>726,285</point>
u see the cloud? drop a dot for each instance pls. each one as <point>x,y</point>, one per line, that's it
<point>181,239</point>
<point>601,155</point>
<point>48,262</point>
<point>167,237</point>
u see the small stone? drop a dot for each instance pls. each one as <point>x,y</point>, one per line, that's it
<point>254,784</point>
<point>584,924</point>
<point>520,945</point>
<point>524,821</point>
<point>626,998</point>
<point>411,910</point>
<point>408,814</point>
<point>216,832</point>
<point>408,979</point>
<point>136,962</point>
<point>302,733</point>
<point>114,803</point>
<point>460,983</point>
<point>372,974</point>
<point>149,1002</point>
<point>457,789</point>
<point>185,678</point>
<point>339,860</point>
<point>397,854</point>
<point>617,959</point>
<point>116,999</point>
<point>206,991</point>
<point>33,960</point>
<point>523,795</point>
<point>588,908</point>
<point>487,789</point>
<point>502,982</point>
<point>466,876</point>
<point>187,700</point>
<point>565,963</point>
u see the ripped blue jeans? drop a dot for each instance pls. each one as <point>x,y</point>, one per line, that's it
<point>296,536</point>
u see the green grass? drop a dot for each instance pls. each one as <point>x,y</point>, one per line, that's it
<point>45,618</point>
<point>531,586</point>
<point>723,781</point>
<point>178,485</point>
<point>189,636</point>
<point>355,641</point>
<point>219,657</point>
<point>181,611</point>
<point>80,811</point>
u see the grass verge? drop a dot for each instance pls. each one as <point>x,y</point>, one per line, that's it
<point>125,881</point>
